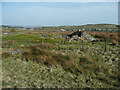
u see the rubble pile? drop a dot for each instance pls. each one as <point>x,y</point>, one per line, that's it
<point>80,35</point>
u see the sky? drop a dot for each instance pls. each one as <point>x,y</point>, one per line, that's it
<point>0,14</point>
<point>59,13</point>
<point>60,0</point>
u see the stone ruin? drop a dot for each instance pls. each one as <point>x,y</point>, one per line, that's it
<point>80,35</point>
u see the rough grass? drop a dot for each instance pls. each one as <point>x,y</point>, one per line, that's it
<point>43,54</point>
<point>6,55</point>
<point>57,70</point>
<point>85,64</point>
<point>47,66</point>
<point>24,74</point>
<point>114,37</point>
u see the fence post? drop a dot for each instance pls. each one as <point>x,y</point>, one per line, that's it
<point>42,43</point>
<point>64,41</point>
<point>13,43</point>
<point>25,43</point>
<point>105,45</point>
<point>82,44</point>
<point>59,45</point>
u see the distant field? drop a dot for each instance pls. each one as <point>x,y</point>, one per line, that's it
<point>91,26</point>
<point>94,26</point>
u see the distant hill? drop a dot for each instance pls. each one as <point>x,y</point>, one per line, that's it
<point>99,26</point>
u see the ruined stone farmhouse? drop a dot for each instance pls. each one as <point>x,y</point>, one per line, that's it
<point>80,35</point>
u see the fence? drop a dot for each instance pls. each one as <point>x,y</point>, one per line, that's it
<point>26,43</point>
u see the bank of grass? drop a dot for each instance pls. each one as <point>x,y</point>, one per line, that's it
<point>43,54</point>
<point>83,69</point>
<point>26,74</point>
<point>85,64</point>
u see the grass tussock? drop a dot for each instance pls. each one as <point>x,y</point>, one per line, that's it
<point>6,55</point>
<point>7,43</point>
<point>106,35</point>
<point>112,36</point>
<point>83,64</point>
<point>43,54</point>
<point>97,70</point>
<point>88,64</point>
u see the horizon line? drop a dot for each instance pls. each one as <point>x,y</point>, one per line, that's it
<point>56,25</point>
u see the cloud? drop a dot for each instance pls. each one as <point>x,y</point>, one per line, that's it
<point>60,0</point>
